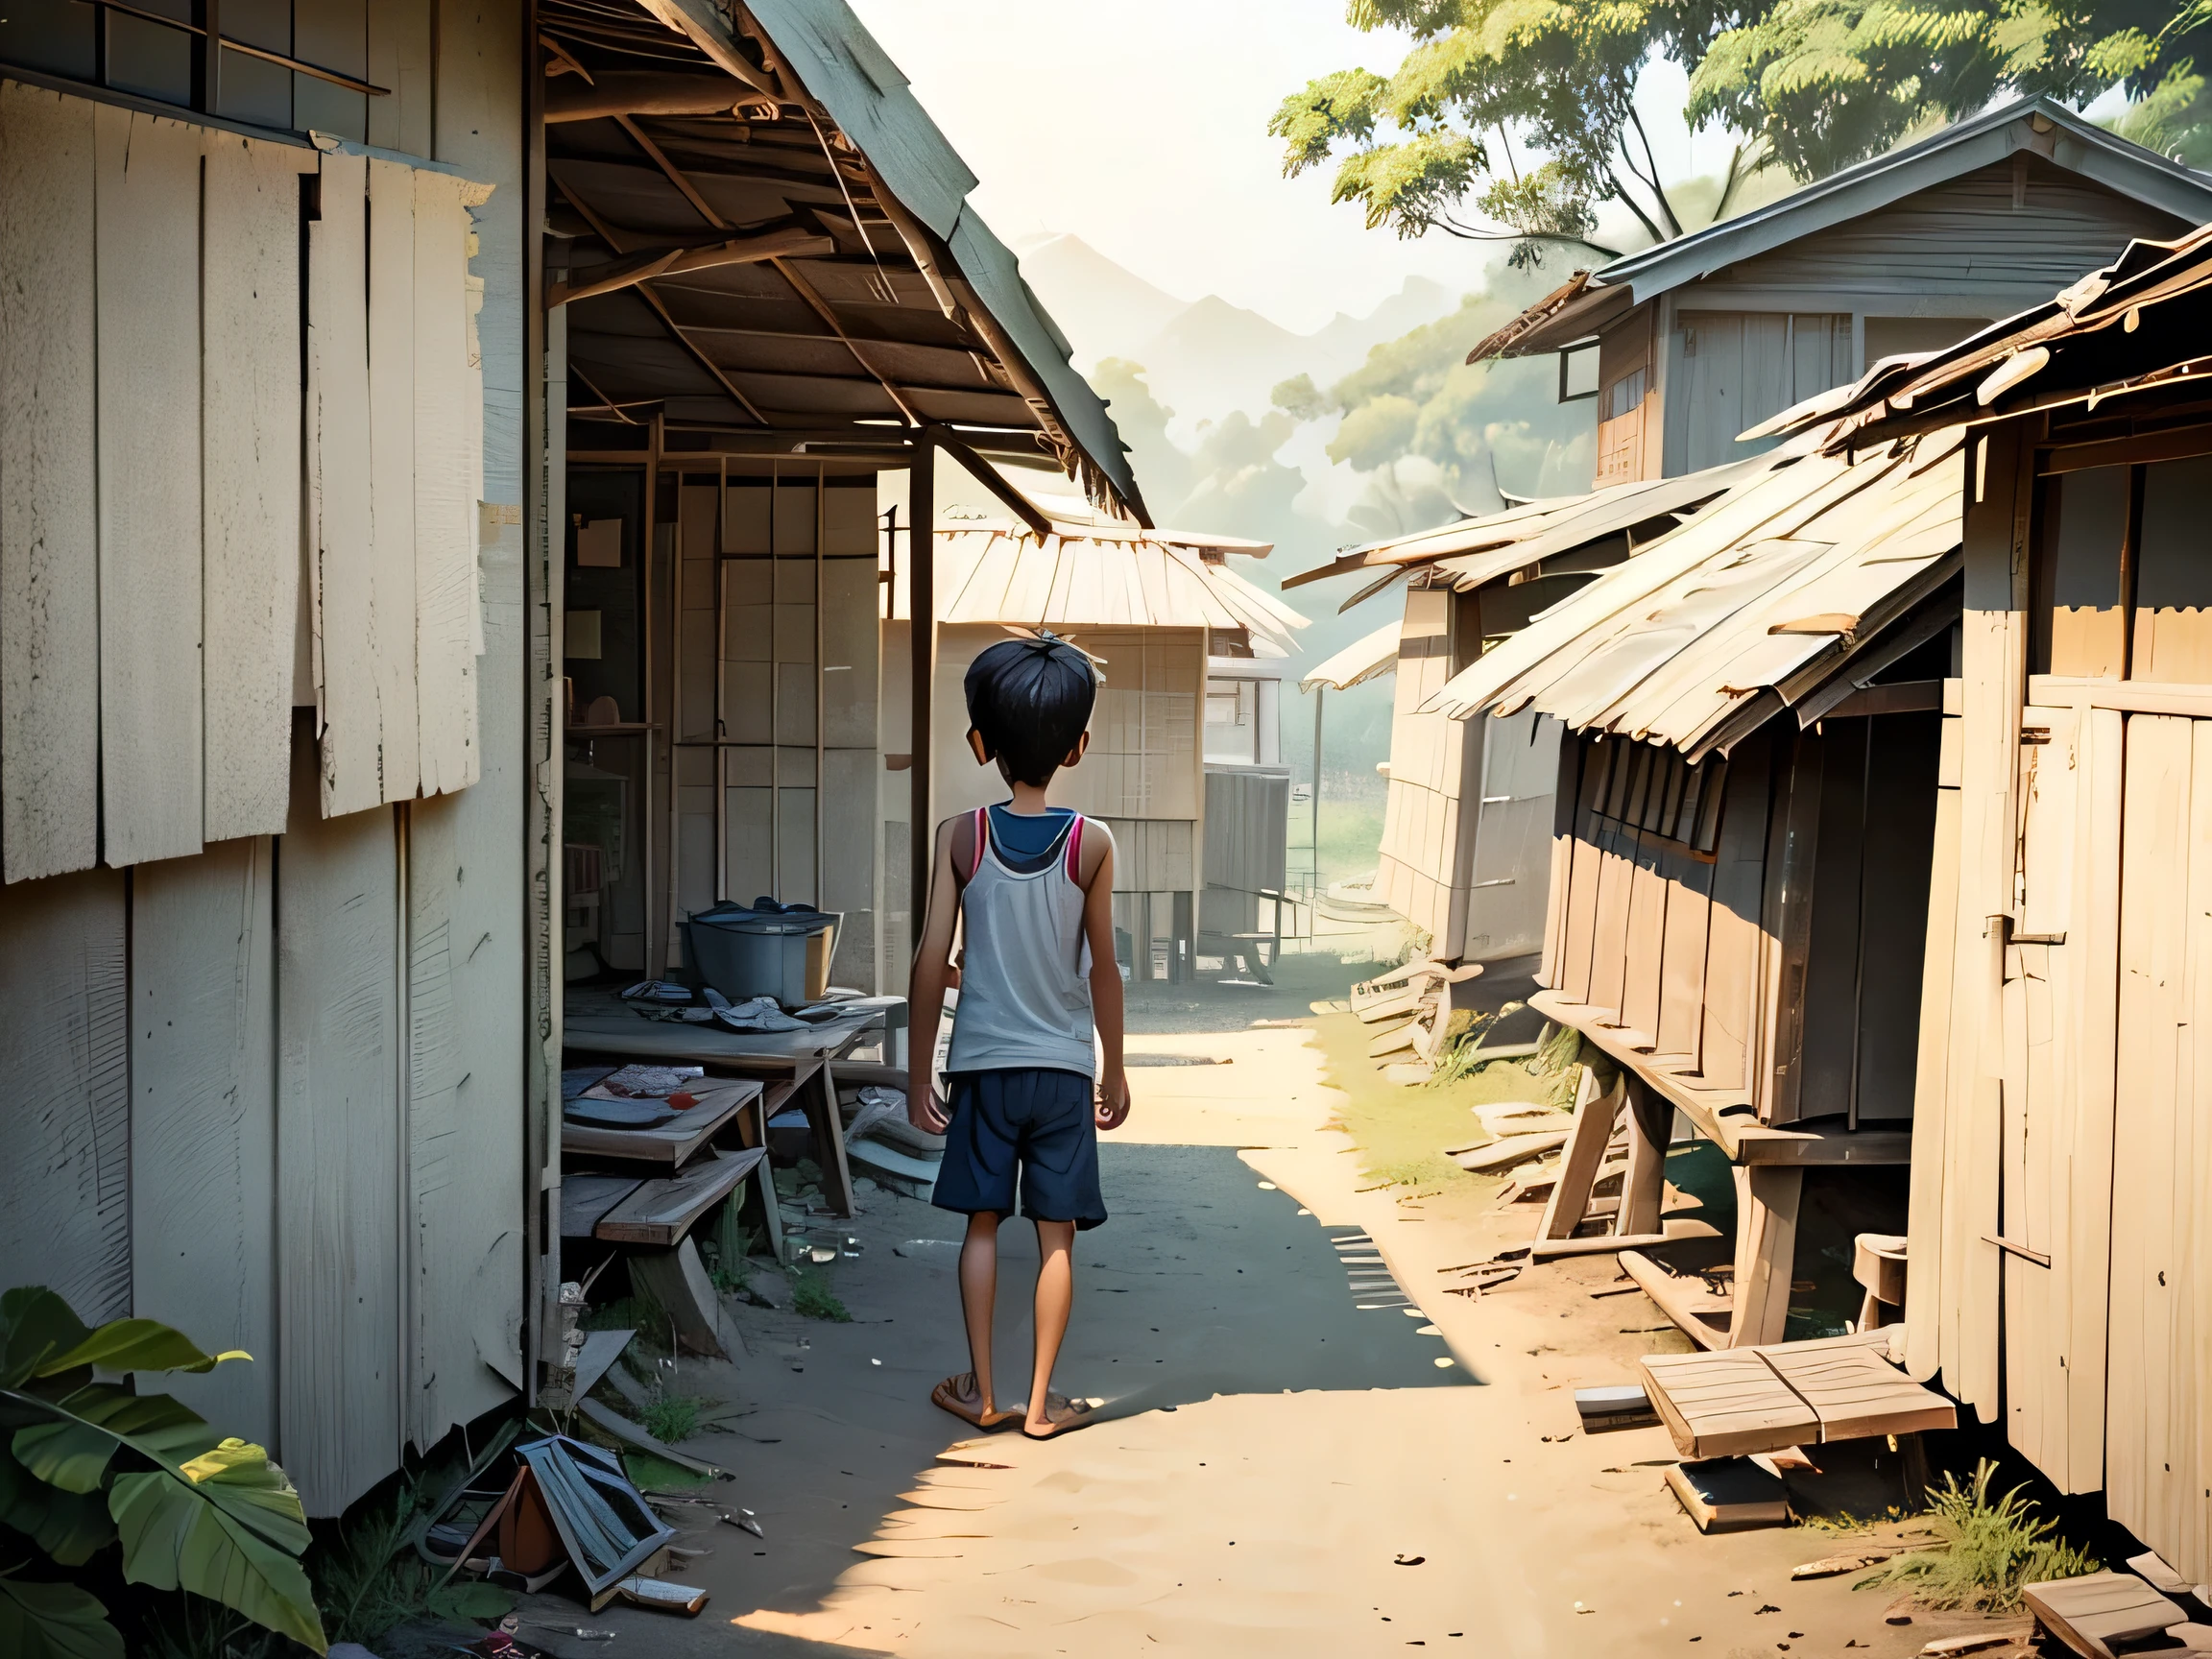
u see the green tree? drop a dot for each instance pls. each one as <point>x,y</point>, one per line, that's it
<point>1821,84</point>
<point>1813,85</point>
<point>1485,82</point>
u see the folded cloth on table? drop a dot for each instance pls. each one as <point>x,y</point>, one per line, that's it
<point>760,1013</point>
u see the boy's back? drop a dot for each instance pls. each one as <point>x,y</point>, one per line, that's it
<point>1031,888</point>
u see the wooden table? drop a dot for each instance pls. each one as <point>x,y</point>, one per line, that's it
<point>789,1064</point>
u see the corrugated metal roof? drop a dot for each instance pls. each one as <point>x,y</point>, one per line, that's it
<point>1359,662</point>
<point>1707,632</point>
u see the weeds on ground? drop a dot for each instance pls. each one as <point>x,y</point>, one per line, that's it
<point>640,1311</point>
<point>1845,1523</point>
<point>1414,1171</point>
<point>1984,1550</point>
<point>812,1296</point>
<point>671,1418</point>
<point>368,1576</point>
<point>650,1474</point>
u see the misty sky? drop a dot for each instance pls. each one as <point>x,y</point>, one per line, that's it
<point>1142,127</point>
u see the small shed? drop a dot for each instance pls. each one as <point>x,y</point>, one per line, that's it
<point>1681,346</point>
<point>1161,610</point>
<point>1471,873</point>
<point>1739,873</point>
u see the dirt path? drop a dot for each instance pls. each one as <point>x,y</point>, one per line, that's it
<point>1285,1472</point>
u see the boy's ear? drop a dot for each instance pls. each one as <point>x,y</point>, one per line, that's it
<point>1082,746</point>
<point>980,749</point>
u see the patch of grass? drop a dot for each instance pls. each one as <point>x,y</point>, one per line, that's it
<point>671,1418</point>
<point>1984,1550</point>
<point>812,1296</point>
<point>650,1474</point>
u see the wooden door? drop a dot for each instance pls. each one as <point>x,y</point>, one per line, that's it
<point>2060,1002</point>
<point>2156,1444</point>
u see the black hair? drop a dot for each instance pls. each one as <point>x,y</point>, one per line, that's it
<point>1031,699</point>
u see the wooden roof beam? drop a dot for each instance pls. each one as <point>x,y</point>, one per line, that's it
<point>622,243</point>
<point>989,476</point>
<point>737,250</point>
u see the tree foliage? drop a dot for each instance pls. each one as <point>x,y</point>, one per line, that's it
<point>1822,84</point>
<point>1514,120</point>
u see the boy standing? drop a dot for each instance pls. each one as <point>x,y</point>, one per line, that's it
<point>1032,886</point>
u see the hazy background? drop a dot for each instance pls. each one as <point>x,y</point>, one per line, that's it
<point>1123,152</point>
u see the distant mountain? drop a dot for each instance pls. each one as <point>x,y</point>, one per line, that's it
<point>1205,358</point>
<point>1100,306</point>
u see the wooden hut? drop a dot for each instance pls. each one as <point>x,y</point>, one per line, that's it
<point>2058,1257</point>
<point>1684,350</point>
<point>1739,864</point>
<point>1168,616</point>
<point>296,312</point>
<point>1683,346</point>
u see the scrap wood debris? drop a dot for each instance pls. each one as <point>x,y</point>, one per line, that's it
<point>1850,1561</point>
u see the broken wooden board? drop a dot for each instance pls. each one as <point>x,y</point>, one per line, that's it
<point>1605,1243</point>
<point>1520,1117</point>
<point>1855,1391</point>
<point>676,1278</point>
<point>1849,1561</point>
<point>1702,1313</point>
<point>661,1211</point>
<point>626,1432</point>
<point>1587,1145</point>
<point>719,1101</point>
<point>2092,1612</point>
<point>1726,1403</point>
<point>585,1198</point>
<point>1504,1154</point>
<point>597,1357</point>
<point>1728,1494</point>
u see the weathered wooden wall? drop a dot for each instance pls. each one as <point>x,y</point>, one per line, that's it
<point>1426,848</point>
<point>280,1093</point>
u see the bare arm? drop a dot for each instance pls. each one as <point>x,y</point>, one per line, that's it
<point>1105,981</point>
<point>926,989</point>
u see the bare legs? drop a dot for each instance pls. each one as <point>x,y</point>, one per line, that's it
<point>1055,1297</point>
<point>978,1292</point>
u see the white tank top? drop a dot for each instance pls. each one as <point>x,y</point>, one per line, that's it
<point>1026,964</point>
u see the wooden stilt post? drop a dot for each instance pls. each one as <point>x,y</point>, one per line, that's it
<point>1593,1118</point>
<point>1651,1119</point>
<point>1766,1198</point>
<point>922,644</point>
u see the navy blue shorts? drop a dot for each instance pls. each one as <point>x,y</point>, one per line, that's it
<point>1034,1122</point>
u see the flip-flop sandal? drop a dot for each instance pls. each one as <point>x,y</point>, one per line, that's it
<point>947,1397</point>
<point>1081,1414</point>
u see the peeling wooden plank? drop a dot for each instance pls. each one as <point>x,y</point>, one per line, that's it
<point>64,1138</point>
<point>465,1126</point>
<point>392,460</point>
<point>147,211</point>
<point>354,623</point>
<point>204,1120</point>
<point>446,487</point>
<point>250,511</point>
<point>49,517</point>
<point>339,1140</point>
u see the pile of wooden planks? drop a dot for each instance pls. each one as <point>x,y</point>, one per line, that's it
<point>1739,1400</point>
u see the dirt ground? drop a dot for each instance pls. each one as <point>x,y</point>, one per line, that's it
<point>1288,1465</point>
